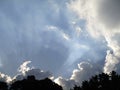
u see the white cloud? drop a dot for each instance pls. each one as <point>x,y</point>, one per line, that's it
<point>110,62</point>
<point>84,72</point>
<point>24,68</point>
<point>25,71</point>
<point>66,84</point>
<point>39,74</point>
<point>5,78</point>
<point>86,9</point>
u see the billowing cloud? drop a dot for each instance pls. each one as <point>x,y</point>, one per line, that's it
<point>84,72</point>
<point>25,71</point>
<point>65,83</point>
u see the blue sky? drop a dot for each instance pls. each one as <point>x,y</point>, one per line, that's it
<point>59,36</point>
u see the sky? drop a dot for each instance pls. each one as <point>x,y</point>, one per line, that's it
<point>66,40</point>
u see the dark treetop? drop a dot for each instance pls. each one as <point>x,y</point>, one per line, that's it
<point>31,84</point>
<point>101,82</point>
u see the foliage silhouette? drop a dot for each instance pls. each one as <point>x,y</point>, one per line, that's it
<point>32,84</point>
<point>3,86</point>
<point>101,82</point>
<point>98,82</point>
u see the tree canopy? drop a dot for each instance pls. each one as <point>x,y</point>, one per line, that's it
<point>101,82</point>
<point>31,84</point>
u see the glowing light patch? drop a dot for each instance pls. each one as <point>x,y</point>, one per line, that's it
<point>51,28</point>
<point>65,36</point>
<point>23,68</point>
<point>77,45</point>
<point>4,77</point>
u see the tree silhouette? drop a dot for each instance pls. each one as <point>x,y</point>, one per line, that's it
<point>32,84</point>
<point>76,88</point>
<point>101,82</point>
<point>98,82</point>
<point>3,86</point>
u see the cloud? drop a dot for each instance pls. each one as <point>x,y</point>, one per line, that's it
<point>24,68</point>
<point>5,78</point>
<point>50,38</point>
<point>102,24</point>
<point>102,21</point>
<point>25,71</point>
<point>86,10</point>
<point>108,13</point>
<point>68,33</point>
<point>39,74</point>
<point>65,83</point>
<point>84,72</point>
<point>111,62</point>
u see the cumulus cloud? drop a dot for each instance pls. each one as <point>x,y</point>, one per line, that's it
<point>38,73</point>
<point>25,71</point>
<point>65,83</point>
<point>84,72</point>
